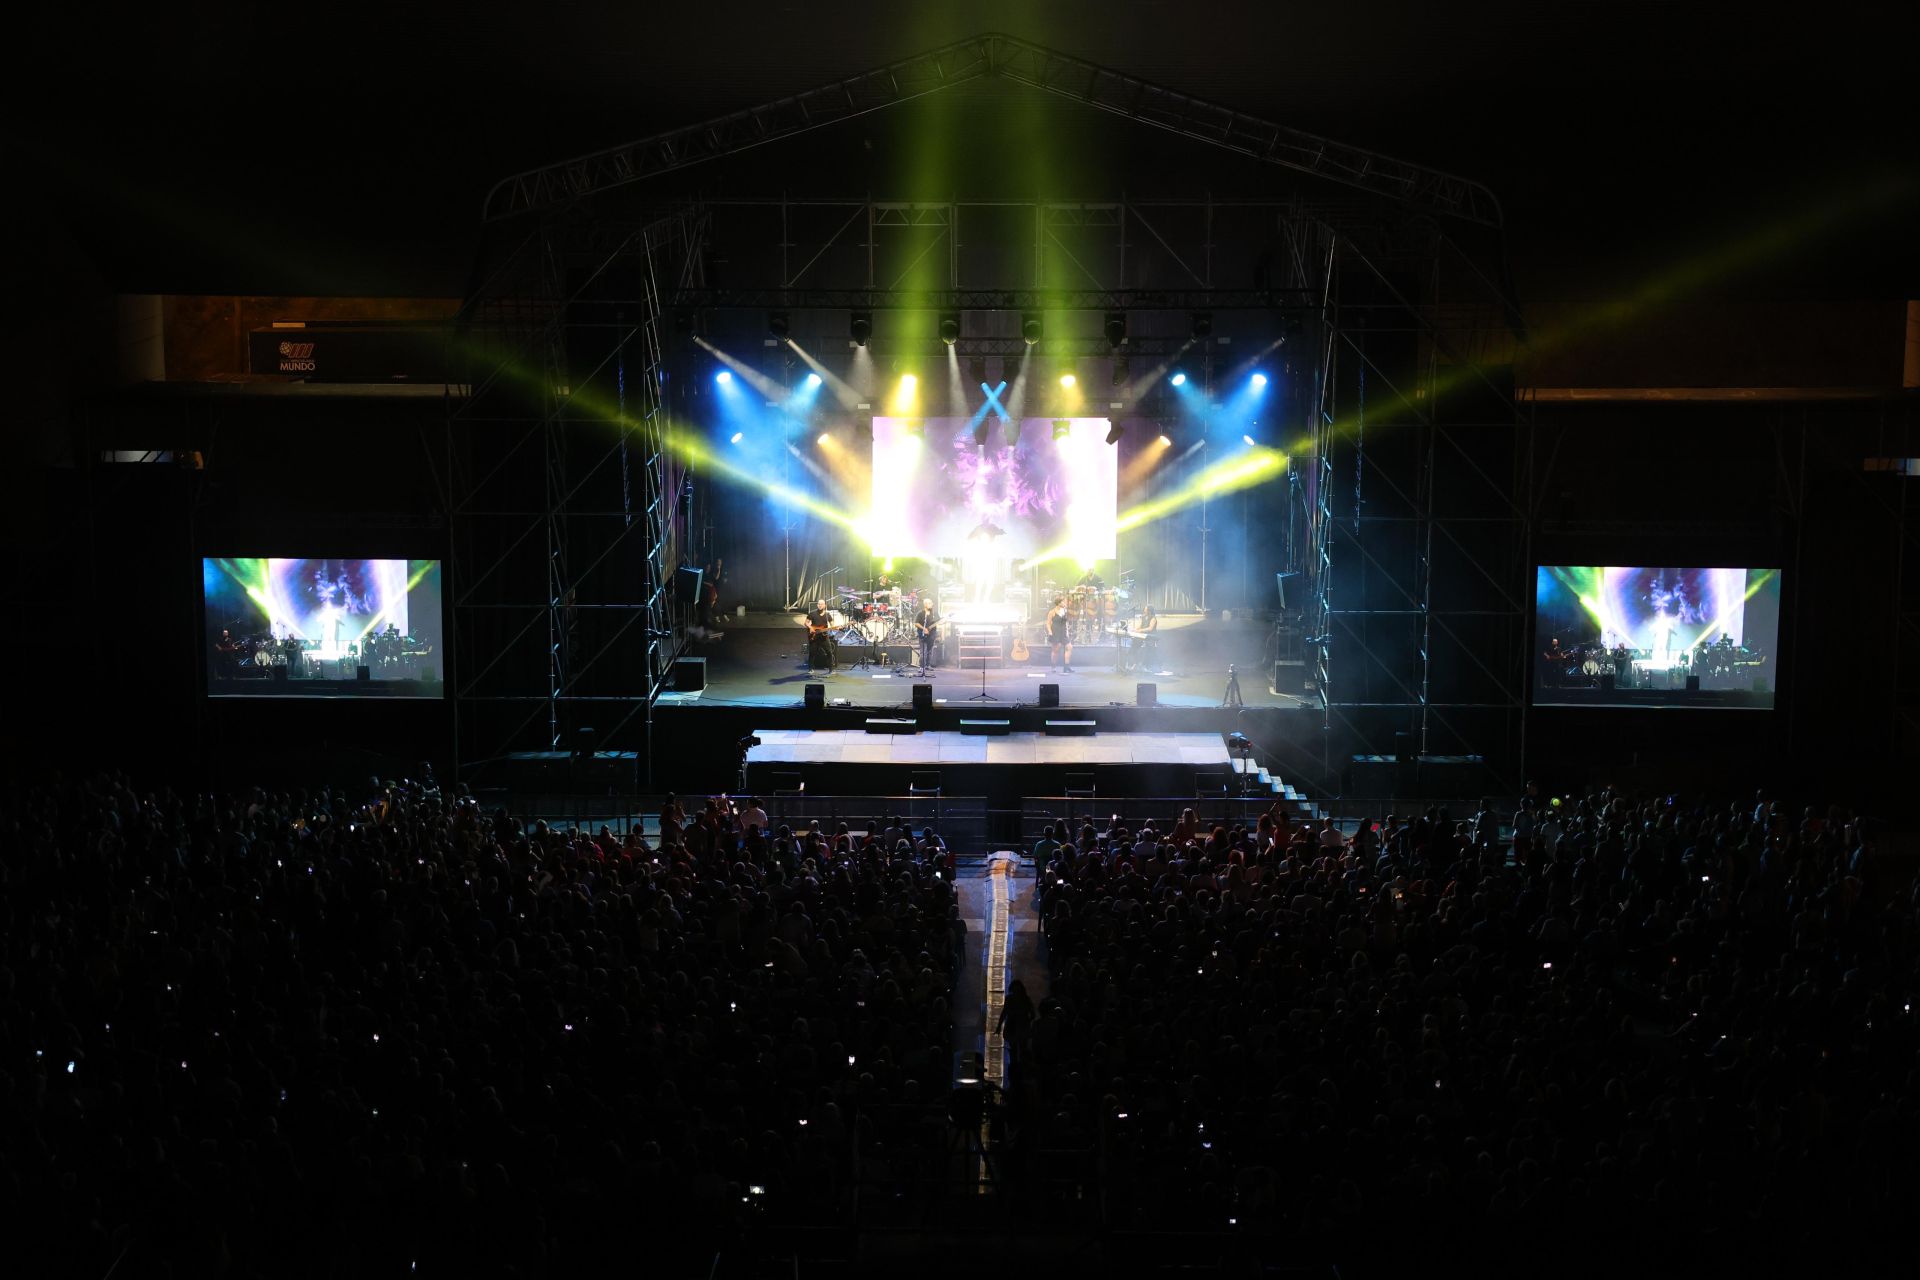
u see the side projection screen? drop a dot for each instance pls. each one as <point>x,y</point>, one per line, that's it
<point>323,628</point>
<point>1634,636</point>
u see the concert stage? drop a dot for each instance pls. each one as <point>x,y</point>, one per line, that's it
<point>761,661</point>
<point>756,683</point>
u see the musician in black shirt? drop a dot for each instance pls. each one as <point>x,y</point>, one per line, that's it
<point>820,638</point>
<point>1059,648</point>
<point>927,625</point>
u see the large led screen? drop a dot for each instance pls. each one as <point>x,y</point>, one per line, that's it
<point>331,628</point>
<point>1014,489</point>
<point>1630,636</point>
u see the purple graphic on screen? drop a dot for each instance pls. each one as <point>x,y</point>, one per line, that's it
<point>333,603</point>
<point>937,491</point>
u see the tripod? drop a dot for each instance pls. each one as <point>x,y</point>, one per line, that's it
<point>1232,698</point>
<point>983,695</point>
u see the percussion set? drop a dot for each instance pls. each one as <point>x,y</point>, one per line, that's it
<point>1092,611</point>
<point>873,618</point>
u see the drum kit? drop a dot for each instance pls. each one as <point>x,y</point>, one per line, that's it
<point>872,618</point>
<point>1091,610</point>
<point>878,617</point>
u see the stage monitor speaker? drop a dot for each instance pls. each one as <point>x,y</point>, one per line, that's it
<point>1693,684</point>
<point>686,584</point>
<point>816,697</point>
<point>689,675</point>
<point>1146,695</point>
<point>1606,683</point>
<point>1049,695</point>
<point>363,673</point>
<point>923,697</point>
<point>1289,676</point>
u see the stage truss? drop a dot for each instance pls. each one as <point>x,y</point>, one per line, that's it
<point>1416,623</point>
<point>562,494</point>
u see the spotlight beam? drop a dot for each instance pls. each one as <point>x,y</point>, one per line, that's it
<point>760,382</point>
<point>842,392</point>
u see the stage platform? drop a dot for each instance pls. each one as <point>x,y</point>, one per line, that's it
<point>761,661</point>
<point>1004,768</point>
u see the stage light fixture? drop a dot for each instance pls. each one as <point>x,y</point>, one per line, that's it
<point>1259,381</point>
<point>860,327</point>
<point>1203,324</point>
<point>1032,327</point>
<point>1248,439</point>
<point>1116,328</point>
<point>1062,428</point>
<point>723,377</point>
<point>813,380</point>
<point>779,324</point>
<point>908,382</point>
<point>1114,433</point>
<point>822,441</point>
<point>1067,380</point>
<point>950,327</point>
<point>1166,439</point>
<point>737,437</point>
<point>1178,380</point>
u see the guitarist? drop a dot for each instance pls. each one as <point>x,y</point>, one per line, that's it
<point>819,639</point>
<point>927,624</point>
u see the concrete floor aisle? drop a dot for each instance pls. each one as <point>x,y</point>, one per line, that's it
<point>1003,943</point>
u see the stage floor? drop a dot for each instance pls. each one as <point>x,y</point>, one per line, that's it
<point>839,746</point>
<point>766,666</point>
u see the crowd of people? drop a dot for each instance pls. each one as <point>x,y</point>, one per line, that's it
<point>330,1033</point>
<point>318,1033</point>
<point>1601,1026</point>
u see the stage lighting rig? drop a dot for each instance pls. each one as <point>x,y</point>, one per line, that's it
<point>1116,328</point>
<point>1062,428</point>
<point>1032,327</point>
<point>860,327</point>
<point>779,324</point>
<point>1202,324</point>
<point>1114,433</point>
<point>950,327</point>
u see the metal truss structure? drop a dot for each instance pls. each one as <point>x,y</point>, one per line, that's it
<point>1018,62</point>
<point>562,494</point>
<point>568,510</point>
<point>1420,528</point>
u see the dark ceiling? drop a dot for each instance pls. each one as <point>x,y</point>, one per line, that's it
<point>283,147</point>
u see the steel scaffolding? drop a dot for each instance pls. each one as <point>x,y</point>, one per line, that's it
<point>1420,522</point>
<point>1019,62</point>
<point>562,493</point>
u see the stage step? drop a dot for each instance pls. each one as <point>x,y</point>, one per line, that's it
<point>1072,728</point>
<point>987,728</point>
<point>887,725</point>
